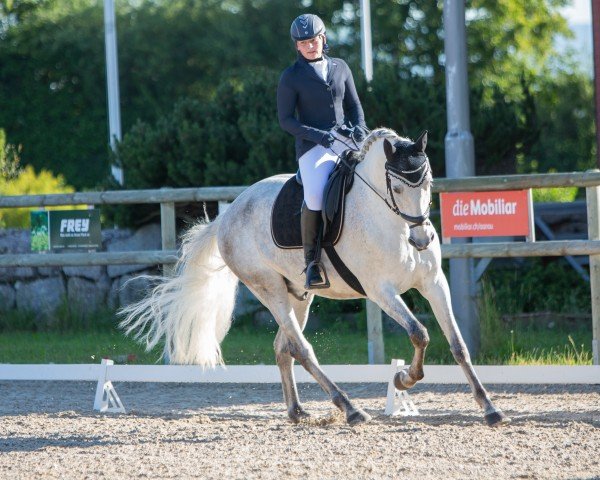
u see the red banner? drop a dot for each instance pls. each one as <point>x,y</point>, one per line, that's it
<point>485,214</point>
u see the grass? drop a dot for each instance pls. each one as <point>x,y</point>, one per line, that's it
<point>246,345</point>
<point>77,338</point>
<point>568,354</point>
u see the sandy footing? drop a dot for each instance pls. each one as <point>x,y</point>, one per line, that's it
<point>231,431</point>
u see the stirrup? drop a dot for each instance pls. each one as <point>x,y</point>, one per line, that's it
<point>324,284</point>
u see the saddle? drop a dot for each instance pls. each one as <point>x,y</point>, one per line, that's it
<point>285,215</point>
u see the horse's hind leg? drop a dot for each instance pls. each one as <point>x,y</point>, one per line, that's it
<point>392,304</point>
<point>285,361</point>
<point>438,295</point>
<point>272,291</point>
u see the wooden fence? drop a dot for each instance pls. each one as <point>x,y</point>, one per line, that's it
<point>167,198</point>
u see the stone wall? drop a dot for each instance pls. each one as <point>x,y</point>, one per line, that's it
<point>87,288</point>
<point>43,289</point>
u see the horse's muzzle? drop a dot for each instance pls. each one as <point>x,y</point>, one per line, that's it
<point>421,242</point>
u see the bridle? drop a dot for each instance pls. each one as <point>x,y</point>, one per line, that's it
<point>405,177</point>
<point>411,178</point>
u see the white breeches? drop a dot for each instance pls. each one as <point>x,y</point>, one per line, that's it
<point>315,167</point>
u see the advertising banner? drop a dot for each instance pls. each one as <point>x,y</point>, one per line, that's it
<point>75,229</point>
<point>485,214</point>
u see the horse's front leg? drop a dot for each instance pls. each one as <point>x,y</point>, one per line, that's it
<point>438,295</point>
<point>392,304</point>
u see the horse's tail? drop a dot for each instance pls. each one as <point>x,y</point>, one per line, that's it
<point>192,311</point>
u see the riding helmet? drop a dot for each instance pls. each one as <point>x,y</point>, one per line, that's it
<point>306,26</point>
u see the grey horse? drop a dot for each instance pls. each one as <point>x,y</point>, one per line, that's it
<point>388,243</point>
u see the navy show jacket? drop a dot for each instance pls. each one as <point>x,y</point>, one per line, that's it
<point>308,107</point>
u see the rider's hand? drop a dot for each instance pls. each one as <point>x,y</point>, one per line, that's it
<point>359,134</point>
<point>327,140</point>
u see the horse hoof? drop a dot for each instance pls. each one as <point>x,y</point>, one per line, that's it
<point>398,380</point>
<point>496,419</point>
<point>298,414</point>
<point>357,417</point>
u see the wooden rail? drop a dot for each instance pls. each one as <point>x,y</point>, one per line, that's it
<point>149,257</point>
<point>168,197</point>
<point>162,195</point>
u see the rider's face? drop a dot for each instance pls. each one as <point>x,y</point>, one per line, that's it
<point>312,48</point>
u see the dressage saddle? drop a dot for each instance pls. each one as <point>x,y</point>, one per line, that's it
<point>285,228</point>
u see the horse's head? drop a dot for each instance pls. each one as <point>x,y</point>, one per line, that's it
<point>408,179</point>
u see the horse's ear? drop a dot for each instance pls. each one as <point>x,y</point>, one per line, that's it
<point>388,148</point>
<point>421,142</point>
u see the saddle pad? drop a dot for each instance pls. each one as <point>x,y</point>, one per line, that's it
<point>285,218</point>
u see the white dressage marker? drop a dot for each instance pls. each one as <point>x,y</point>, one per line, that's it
<point>398,401</point>
<point>107,399</point>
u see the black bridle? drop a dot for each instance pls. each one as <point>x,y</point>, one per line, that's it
<point>404,176</point>
<point>412,178</point>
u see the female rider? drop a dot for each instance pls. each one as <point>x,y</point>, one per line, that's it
<point>316,102</point>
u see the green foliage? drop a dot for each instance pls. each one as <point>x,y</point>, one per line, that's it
<point>565,354</point>
<point>28,182</point>
<point>87,346</point>
<point>538,285</point>
<point>526,343</point>
<point>55,58</point>
<point>68,317</point>
<point>565,112</point>
<point>52,81</point>
<point>10,167</point>
<point>562,195</point>
<point>245,346</point>
<point>232,139</point>
<point>531,110</point>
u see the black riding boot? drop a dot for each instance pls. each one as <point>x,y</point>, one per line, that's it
<point>309,227</point>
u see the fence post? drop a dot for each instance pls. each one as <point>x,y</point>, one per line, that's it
<point>168,233</point>
<point>374,333</point>
<point>593,211</point>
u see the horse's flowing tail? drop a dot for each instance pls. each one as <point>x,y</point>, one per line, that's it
<point>192,311</point>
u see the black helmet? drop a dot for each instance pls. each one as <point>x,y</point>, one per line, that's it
<point>306,26</point>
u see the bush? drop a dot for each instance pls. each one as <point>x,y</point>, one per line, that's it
<point>563,195</point>
<point>28,182</point>
<point>537,285</point>
<point>9,158</point>
<point>233,139</point>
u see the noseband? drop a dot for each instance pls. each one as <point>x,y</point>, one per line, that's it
<point>412,178</point>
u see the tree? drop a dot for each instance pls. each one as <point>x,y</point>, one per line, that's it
<point>52,81</point>
<point>233,139</point>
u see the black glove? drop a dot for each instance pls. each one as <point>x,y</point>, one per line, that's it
<point>359,134</point>
<point>327,140</point>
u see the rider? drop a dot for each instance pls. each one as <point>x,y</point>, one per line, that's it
<point>317,103</point>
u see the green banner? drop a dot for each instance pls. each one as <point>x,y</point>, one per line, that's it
<point>75,229</point>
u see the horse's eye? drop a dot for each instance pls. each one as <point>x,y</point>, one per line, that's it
<point>397,189</point>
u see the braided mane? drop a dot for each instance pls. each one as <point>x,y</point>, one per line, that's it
<point>375,135</point>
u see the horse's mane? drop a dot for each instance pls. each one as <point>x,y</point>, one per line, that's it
<point>375,135</point>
